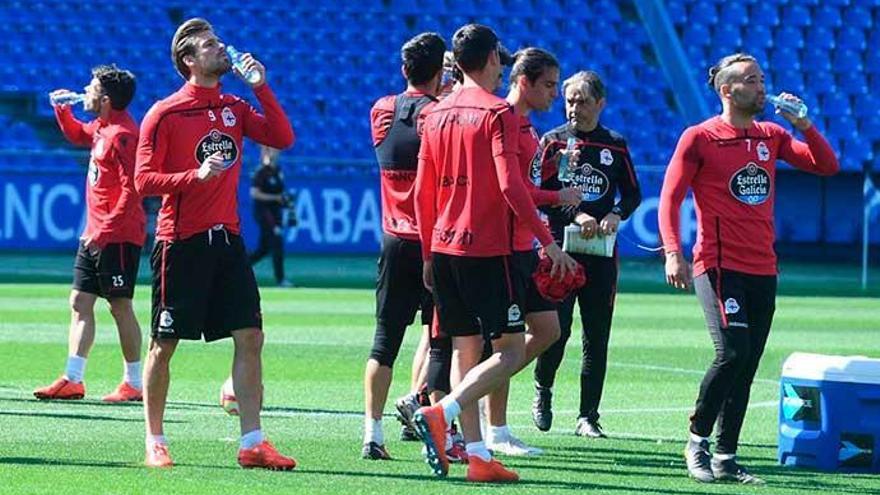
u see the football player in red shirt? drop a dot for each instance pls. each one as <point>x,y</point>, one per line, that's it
<point>534,85</point>
<point>729,162</point>
<point>109,250</point>
<point>203,285</point>
<point>468,189</point>
<point>396,120</point>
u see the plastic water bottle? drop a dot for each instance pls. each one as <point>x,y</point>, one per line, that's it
<point>565,172</point>
<point>66,99</point>
<point>798,109</point>
<point>253,76</point>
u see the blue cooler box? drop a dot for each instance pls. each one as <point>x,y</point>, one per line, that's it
<point>829,413</point>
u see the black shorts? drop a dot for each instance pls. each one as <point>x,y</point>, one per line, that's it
<point>203,286</point>
<point>400,290</point>
<point>474,296</point>
<point>109,274</point>
<point>732,299</point>
<point>522,265</point>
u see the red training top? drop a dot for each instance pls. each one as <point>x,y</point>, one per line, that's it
<point>732,172</point>
<point>529,158</point>
<point>114,211</point>
<point>396,122</point>
<point>179,132</point>
<point>468,175</point>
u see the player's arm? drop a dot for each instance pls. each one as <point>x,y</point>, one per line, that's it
<point>426,206</point>
<point>123,153</point>
<point>152,150</point>
<point>74,130</point>
<point>504,152</point>
<point>679,174</point>
<point>815,156</point>
<point>272,128</point>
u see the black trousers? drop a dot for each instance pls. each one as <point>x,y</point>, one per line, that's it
<point>739,311</point>
<point>596,303</point>
<point>271,240</point>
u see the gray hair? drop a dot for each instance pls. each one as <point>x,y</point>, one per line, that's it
<point>588,82</point>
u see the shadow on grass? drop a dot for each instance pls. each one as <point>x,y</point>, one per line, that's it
<point>42,461</point>
<point>88,417</point>
<point>460,482</point>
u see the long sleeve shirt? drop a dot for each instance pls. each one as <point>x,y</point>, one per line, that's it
<point>180,132</point>
<point>732,173</point>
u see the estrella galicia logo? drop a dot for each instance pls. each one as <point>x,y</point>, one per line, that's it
<point>592,181</point>
<point>216,141</point>
<point>750,184</point>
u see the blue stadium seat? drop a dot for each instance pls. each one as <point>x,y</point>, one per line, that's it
<point>872,61</point>
<point>703,13</point>
<point>827,15</point>
<point>857,150</point>
<point>852,83</point>
<point>819,37</point>
<point>820,82</point>
<point>835,104</point>
<point>676,11</point>
<point>696,33</point>
<point>842,126</point>
<point>788,36</point>
<point>784,59</point>
<point>796,14</point>
<point>869,127</point>
<point>847,60</point>
<point>759,36</point>
<point>850,37</point>
<point>727,36</point>
<point>857,16</point>
<point>790,81</point>
<point>763,14</point>
<point>520,7</point>
<point>866,105</point>
<point>817,58</point>
<point>734,13</point>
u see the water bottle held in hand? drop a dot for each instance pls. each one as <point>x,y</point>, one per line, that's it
<point>235,56</point>
<point>66,99</point>
<point>792,107</point>
<point>565,172</point>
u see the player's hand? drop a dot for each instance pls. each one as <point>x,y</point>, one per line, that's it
<point>801,123</point>
<point>211,167</point>
<point>91,246</point>
<point>250,63</point>
<point>570,196</point>
<point>589,225</point>
<point>427,275</point>
<point>609,224</point>
<point>678,272</point>
<point>563,264</point>
<point>59,92</point>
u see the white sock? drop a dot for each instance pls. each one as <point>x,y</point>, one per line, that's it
<point>451,409</point>
<point>373,431</point>
<point>479,449</point>
<point>76,368</point>
<point>724,457</point>
<point>448,440</point>
<point>697,438</point>
<point>156,439</point>
<point>499,433</point>
<point>251,439</point>
<point>132,375</point>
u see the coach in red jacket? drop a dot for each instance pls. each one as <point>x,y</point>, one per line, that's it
<point>729,161</point>
<point>203,285</point>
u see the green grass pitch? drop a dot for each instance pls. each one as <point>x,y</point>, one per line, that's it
<point>317,341</point>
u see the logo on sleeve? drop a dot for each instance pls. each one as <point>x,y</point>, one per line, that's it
<point>605,157</point>
<point>592,182</point>
<point>228,117</point>
<point>763,152</point>
<point>731,306</point>
<point>750,184</point>
<point>216,141</point>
